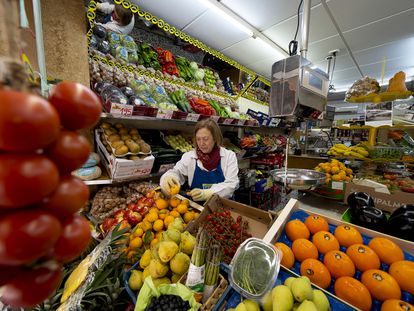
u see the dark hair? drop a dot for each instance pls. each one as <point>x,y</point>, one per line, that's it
<point>124,15</point>
<point>214,129</point>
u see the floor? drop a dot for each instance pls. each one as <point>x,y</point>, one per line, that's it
<point>326,207</point>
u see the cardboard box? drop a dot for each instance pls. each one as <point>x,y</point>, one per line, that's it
<point>383,201</point>
<point>259,221</point>
<point>123,169</point>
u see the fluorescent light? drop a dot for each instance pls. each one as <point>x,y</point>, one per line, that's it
<point>280,55</point>
<point>228,17</point>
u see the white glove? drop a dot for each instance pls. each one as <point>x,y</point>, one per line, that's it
<point>201,195</point>
<point>168,182</point>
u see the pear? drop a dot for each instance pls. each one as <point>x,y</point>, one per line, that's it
<point>267,302</point>
<point>241,307</point>
<point>251,305</point>
<point>282,298</point>
<point>307,305</point>
<point>302,289</point>
<point>180,263</point>
<point>145,259</point>
<point>167,250</point>
<point>135,280</point>
<point>187,243</point>
<point>320,300</point>
<point>288,282</point>
<point>157,269</point>
<point>160,281</point>
<point>172,235</point>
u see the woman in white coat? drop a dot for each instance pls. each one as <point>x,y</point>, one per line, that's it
<point>209,168</point>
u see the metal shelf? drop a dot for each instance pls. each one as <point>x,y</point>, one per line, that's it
<point>98,182</point>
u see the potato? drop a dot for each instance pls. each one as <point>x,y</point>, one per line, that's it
<point>133,147</point>
<point>121,150</point>
<point>134,158</point>
<point>117,144</point>
<point>133,132</point>
<point>123,131</point>
<point>145,148</point>
<point>125,137</point>
<point>105,126</point>
<point>113,138</point>
<point>119,126</point>
<point>135,137</point>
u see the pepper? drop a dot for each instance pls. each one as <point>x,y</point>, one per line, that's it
<point>370,217</point>
<point>401,222</point>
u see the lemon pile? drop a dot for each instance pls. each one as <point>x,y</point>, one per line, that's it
<point>335,171</point>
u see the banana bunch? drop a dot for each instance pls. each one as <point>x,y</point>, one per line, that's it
<point>340,150</point>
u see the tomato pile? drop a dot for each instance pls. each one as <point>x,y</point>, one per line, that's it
<point>39,227</point>
<point>228,232</point>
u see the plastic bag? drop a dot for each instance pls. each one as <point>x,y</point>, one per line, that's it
<point>149,290</point>
<point>121,53</point>
<point>128,42</point>
<point>132,56</point>
<point>139,86</point>
<point>114,38</point>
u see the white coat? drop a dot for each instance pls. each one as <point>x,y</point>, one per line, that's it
<point>114,25</point>
<point>185,168</point>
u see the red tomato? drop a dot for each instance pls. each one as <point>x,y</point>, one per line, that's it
<point>70,195</point>
<point>77,105</point>
<point>31,287</point>
<point>27,122</point>
<point>69,151</point>
<point>8,273</point>
<point>27,235</point>
<point>26,179</point>
<point>75,237</point>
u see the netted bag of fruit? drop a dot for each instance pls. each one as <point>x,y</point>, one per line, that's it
<point>39,199</point>
<point>107,202</point>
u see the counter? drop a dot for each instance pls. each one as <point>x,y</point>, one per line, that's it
<point>330,208</point>
<point>305,161</point>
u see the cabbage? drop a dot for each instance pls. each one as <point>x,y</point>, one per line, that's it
<point>193,66</point>
<point>199,74</point>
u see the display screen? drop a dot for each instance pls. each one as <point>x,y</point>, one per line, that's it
<point>315,81</point>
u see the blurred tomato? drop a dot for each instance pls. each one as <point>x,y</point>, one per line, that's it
<point>27,235</point>
<point>8,273</point>
<point>31,287</point>
<point>77,105</point>
<point>26,179</point>
<point>27,122</point>
<point>76,236</point>
<point>70,195</point>
<point>69,151</point>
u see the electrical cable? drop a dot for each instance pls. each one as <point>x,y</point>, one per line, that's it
<point>293,45</point>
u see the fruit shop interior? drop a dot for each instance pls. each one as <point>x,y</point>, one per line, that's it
<point>320,120</point>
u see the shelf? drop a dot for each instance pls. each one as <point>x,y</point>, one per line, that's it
<point>255,100</point>
<point>368,127</point>
<point>99,182</point>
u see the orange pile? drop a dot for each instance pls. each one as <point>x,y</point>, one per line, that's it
<point>341,266</point>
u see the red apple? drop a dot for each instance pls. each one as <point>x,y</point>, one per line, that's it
<point>108,224</point>
<point>119,215</point>
<point>134,218</point>
<point>131,207</point>
<point>124,224</point>
<point>150,202</point>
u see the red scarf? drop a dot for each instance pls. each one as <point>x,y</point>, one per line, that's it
<point>210,160</point>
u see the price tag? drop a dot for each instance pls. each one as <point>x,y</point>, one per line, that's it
<point>121,109</point>
<point>193,117</point>
<point>241,122</point>
<point>338,185</point>
<point>164,114</point>
<point>228,121</point>
<point>141,171</point>
<point>215,118</point>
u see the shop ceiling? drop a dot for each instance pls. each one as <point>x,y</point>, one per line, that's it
<point>377,31</point>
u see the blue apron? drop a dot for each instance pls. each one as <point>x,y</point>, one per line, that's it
<point>205,179</point>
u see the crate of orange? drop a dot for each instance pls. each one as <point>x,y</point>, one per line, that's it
<point>337,175</point>
<point>365,268</point>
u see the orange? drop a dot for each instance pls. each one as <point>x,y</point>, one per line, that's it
<point>182,208</point>
<point>174,202</point>
<point>316,272</point>
<point>175,214</point>
<point>158,225</point>
<point>325,242</point>
<point>396,305</point>
<point>339,264</point>
<point>169,219</point>
<point>316,223</point>
<point>304,249</point>
<point>153,210</point>
<point>353,292</point>
<point>138,232</point>
<point>151,217</point>
<point>381,285</point>
<point>153,242</point>
<point>347,235</point>
<point>135,243</point>
<point>403,272</point>
<point>363,257</point>
<point>161,203</point>
<point>189,216</point>
<point>295,229</point>
<point>288,259</point>
<point>175,190</point>
<point>387,250</point>
<point>196,214</point>
<point>163,213</point>
<point>185,202</point>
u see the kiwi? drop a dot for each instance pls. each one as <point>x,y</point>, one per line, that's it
<point>105,126</point>
<point>119,126</point>
<point>135,137</point>
<point>133,147</point>
<point>113,138</point>
<point>133,132</point>
<point>123,131</point>
<point>117,144</point>
<point>121,150</point>
<point>145,148</point>
<point>125,137</point>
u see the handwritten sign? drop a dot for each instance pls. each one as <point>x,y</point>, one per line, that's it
<point>122,109</point>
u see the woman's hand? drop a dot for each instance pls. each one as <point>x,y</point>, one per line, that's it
<point>168,182</point>
<point>201,195</point>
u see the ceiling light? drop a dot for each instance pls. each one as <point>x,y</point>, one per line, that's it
<point>270,45</point>
<point>228,17</point>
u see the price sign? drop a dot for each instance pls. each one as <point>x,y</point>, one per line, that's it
<point>141,171</point>
<point>121,109</point>
<point>215,118</point>
<point>338,185</point>
<point>228,121</point>
<point>193,117</point>
<point>164,114</point>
